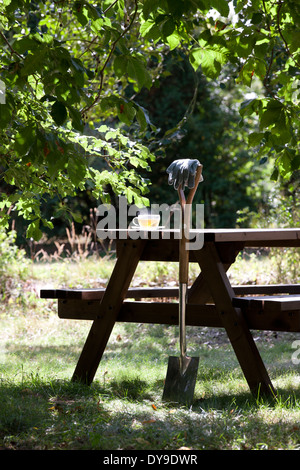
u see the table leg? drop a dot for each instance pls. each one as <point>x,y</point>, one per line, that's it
<point>237,330</point>
<point>108,310</point>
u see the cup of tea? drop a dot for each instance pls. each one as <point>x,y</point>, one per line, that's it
<point>146,221</point>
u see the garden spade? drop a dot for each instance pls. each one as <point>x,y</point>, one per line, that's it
<point>182,371</point>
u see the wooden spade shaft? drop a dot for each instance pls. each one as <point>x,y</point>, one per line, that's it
<point>182,371</point>
<point>186,205</point>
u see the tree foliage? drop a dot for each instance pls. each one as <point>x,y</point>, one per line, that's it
<point>234,179</point>
<point>71,73</point>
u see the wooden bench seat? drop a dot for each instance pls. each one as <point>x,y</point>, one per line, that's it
<point>267,289</point>
<point>163,292</point>
<point>262,312</point>
<point>273,313</point>
<point>97,294</point>
<point>268,303</point>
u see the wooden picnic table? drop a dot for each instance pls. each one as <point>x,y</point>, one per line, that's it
<point>211,300</point>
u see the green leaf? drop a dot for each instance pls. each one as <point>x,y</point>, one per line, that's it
<point>250,106</point>
<point>94,12</point>
<point>168,27</point>
<point>149,6</point>
<point>178,7</point>
<point>210,60</point>
<point>77,217</point>
<point>33,62</point>
<point>284,164</point>
<point>137,70</point>
<point>126,112</point>
<point>295,41</point>
<point>109,102</point>
<point>255,138</point>
<point>174,40</point>
<point>120,65</point>
<point>76,170</point>
<point>261,48</point>
<point>296,163</point>
<point>5,115</point>
<point>143,118</point>
<point>275,174</point>
<point>146,27</point>
<point>24,139</point>
<point>221,5</point>
<point>59,113</point>
<point>25,44</point>
<point>80,12</point>
<point>33,230</point>
<point>97,25</point>
<point>76,118</point>
<point>257,17</point>
<point>47,223</point>
<point>273,113</point>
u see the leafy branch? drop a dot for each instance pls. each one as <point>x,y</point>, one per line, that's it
<point>10,46</point>
<point>280,5</point>
<point>113,47</point>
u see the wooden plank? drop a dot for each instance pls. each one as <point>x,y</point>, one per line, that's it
<point>276,303</point>
<point>197,293</point>
<point>78,309</point>
<point>267,289</point>
<point>167,249</point>
<point>80,294</point>
<point>264,236</point>
<point>97,294</point>
<point>270,321</point>
<point>165,313</point>
<point>260,237</point>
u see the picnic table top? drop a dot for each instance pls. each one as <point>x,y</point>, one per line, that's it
<point>217,235</point>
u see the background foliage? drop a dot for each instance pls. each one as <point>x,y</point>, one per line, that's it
<point>95,94</point>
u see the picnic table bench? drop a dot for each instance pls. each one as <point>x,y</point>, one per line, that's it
<point>211,299</point>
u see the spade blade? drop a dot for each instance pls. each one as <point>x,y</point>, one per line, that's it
<point>181,380</point>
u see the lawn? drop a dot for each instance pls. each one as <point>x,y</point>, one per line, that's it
<point>123,409</point>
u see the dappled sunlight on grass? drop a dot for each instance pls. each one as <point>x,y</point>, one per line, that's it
<point>127,413</point>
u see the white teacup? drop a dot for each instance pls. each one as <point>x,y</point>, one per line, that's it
<point>146,221</point>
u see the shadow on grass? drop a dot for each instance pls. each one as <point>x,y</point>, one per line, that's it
<point>43,353</point>
<point>58,414</point>
<point>116,410</point>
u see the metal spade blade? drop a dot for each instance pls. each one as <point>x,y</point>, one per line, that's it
<point>182,371</point>
<point>180,386</point>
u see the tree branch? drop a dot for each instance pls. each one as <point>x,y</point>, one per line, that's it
<point>110,6</point>
<point>281,34</point>
<point>10,46</point>
<point>101,73</point>
<point>279,29</point>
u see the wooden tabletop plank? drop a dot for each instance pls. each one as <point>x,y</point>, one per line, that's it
<point>217,235</point>
<point>262,235</point>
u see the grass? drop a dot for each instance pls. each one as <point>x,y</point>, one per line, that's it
<point>123,409</point>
